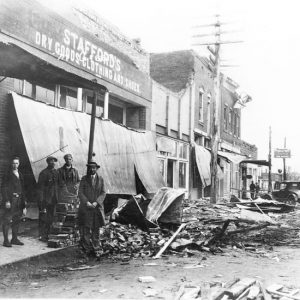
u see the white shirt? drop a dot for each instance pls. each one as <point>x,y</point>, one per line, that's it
<point>16,172</point>
<point>93,179</point>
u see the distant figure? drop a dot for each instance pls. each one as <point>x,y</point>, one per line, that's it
<point>252,190</point>
<point>91,209</point>
<point>48,196</point>
<point>14,202</point>
<point>68,179</point>
<point>257,189</point>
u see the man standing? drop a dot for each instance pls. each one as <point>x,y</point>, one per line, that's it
<point>91,209</point>
<point>48,196</point>
<point>68,178</point>
<point>257,189</point>
<point>252,190</point>
<point>14,202</point>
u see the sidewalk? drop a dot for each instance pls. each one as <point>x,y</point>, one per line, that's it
<point>33,248</point>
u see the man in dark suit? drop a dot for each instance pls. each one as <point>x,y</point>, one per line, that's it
<point>14,202</point>
<point>48,196</point>
<point>91,209</point>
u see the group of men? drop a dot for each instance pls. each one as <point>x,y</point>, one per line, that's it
<point>53,185</point>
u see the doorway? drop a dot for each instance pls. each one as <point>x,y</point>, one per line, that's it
<point>170,173</point>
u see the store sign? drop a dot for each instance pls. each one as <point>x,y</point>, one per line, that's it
<point>282,153</point>
<point>56,36</point>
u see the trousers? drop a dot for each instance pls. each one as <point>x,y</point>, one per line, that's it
<point>90,239</point>
<point>13,219</point>
<point>46,218</point>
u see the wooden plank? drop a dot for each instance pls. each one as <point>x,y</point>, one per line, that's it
<point>237,289</point>
<point>167,244</point>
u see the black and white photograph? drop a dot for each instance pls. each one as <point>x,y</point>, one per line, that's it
<point>149,149</point>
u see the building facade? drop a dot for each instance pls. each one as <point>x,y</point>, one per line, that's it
<point>64,64</point>
<point>187,73</point>
<point>171,126</point>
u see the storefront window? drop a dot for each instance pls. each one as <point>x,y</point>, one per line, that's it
<point>182,151</point>
<point>162,167</point>
<point>45,93</point>
<point>182,175</point>
<point>174,151</point>
<point>68,97</point>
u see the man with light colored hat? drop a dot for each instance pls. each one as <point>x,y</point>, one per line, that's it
<point>91,209</point>
<point>48,196</point>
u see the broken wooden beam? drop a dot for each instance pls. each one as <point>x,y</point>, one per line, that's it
<point>167,244</point>
<point>258,227</point>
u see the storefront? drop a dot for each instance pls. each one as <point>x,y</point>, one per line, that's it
<point>65,66</point>
<point>173,156</point>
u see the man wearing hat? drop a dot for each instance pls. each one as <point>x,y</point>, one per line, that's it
<point>48,196</point>
<point>91,209</point>
<point>68,178</point>
<point>14,202</point>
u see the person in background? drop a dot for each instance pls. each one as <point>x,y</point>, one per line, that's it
<point>68,178</point>
<point>91,209</point>
<point>257,189</point>
<point>48,196</point>
<point>252,190</point>
<point>14,202</point>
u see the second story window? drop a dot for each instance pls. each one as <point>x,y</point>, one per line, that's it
<point>201,106</point>
<point>238,126</point>
<point>230,120</point>
<point>225,117</point>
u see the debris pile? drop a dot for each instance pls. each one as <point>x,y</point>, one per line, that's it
<point>205,227</point>
<point>236,289</point>
<point>128,241</point>
<point>64,231</point>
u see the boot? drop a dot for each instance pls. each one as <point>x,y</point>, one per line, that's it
<point>6,242</point>
<point>15,240</point>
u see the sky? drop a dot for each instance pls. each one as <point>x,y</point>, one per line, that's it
<point>267,62</point>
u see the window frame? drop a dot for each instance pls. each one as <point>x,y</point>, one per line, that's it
<point>201,106</point>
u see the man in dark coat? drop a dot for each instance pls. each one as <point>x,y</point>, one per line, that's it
<point>14,202</point>
<point>48,196</point>
<point>91,209</point>
<point>68,178</point>
<point>252,190</point>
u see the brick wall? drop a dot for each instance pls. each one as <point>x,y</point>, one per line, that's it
<point>5,144</point>
<point>228,100</point>
<point>203,80</point>
<point>248,149</point>
<point>11,137</point>
<point>112,36</point>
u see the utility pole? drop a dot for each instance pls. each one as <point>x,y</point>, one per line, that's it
<point>92,127</point>
<point>284,167</point>
<point>216,117</point>
<point>270,160</point>
<point>214,66</point>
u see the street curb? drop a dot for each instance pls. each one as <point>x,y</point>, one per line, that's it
<point>67,252</point>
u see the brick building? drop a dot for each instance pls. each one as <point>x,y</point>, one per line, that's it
<point>186,73</point>
<point>64,63</point>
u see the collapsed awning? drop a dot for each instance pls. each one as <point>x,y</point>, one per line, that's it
<point>203,158</point>
<point>48,130</point>
<point>166,206</point>
<point>235,158</point>
<point>145,161</point>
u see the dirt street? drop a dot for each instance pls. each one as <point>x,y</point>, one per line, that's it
<point>114,280</point>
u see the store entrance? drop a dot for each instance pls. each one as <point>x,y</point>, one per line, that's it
<point>170,173</point>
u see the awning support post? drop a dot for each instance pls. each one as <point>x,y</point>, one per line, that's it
<point>92,127</point>
<point>106,103</point>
